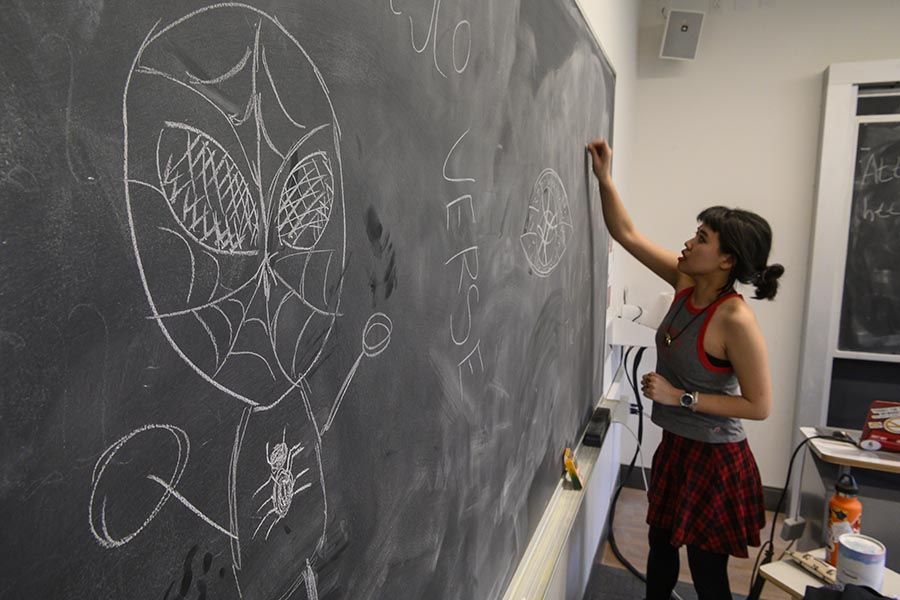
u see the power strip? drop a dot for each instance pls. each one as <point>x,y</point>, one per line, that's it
<point>595,432</point>
<point>816,566</point>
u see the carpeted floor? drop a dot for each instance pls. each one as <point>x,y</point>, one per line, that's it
<point>612,583</point>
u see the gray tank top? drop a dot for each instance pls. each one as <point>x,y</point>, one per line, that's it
<point>686,365</point>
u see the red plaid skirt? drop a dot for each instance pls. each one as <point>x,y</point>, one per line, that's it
<point>707,495</point>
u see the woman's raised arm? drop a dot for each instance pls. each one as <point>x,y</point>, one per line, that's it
<point>653,256</point>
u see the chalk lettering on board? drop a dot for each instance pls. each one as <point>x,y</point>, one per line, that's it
<point>467,28</point>
<point>869,314</point>
<point>469,361</point>
<point>447,160</point>
<point>454,203</point>
<point>464,266</point>
<point>468,266</point>
<point>548,226</point>
<point>432,34</point>
<point>472,288</point>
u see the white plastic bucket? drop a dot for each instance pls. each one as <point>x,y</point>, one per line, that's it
<point>860,561</point>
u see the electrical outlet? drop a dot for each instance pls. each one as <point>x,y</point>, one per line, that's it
<point>792,529</point>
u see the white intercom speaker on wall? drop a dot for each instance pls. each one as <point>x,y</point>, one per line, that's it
<point>682,35</point>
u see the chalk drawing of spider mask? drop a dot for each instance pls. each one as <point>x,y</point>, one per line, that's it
<point>548,225</point>
<point>235,199</point>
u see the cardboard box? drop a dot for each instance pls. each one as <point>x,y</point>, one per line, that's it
<point>882,428</point>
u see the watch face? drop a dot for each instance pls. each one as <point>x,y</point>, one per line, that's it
<point>687,399</point>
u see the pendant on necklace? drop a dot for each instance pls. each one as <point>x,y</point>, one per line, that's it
<point>668,339</point>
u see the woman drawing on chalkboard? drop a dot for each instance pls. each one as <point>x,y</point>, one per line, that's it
<point>712,371</point>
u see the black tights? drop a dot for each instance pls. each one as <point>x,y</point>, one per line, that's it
<point>708,570</point>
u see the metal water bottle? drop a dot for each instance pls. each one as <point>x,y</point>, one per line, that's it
<point>844,514</point>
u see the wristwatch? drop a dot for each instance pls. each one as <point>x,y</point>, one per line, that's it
<point>690,399</point>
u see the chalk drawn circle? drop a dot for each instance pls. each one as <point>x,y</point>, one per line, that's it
<point>377,334</point>
<point>97,509</point>
<point>548,225</point>
<point>234,194</point>
<point>468,46</point>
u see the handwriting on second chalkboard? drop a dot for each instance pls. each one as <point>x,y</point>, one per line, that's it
<point>879,169</point>
<point>880,210</point>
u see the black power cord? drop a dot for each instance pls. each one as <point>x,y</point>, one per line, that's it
<point>640,437</point>
<point>769,545</point>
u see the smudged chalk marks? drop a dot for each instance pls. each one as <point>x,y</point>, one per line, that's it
<point>383,273</point>
<point>20,178</point>
<point>90,176</point>
<point>181,588</point>
<point>548,226</point>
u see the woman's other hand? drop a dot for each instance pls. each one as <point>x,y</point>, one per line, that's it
<point>657,388</point>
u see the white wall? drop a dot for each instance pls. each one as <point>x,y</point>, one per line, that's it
<point>616,24</point>
<point>740,126</point>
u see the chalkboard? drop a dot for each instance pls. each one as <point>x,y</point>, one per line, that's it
<point>870,311</point>
<point>300,299</point>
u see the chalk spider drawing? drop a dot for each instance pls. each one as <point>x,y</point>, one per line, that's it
<point>234,194</point>
<point>282,480</point>
<point>548,226</point>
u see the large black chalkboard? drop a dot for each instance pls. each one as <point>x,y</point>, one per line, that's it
<point>298,299</point>
<point>870,311</point>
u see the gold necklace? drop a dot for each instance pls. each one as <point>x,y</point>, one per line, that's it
<point>668,338</point>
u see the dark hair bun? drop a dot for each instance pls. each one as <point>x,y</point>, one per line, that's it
<point>747,237</point>
<point>766,282</point>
